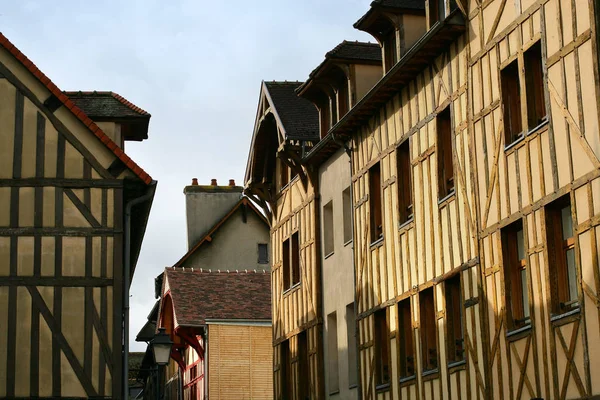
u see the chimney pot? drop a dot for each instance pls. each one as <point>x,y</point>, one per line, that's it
<point>213,182</point>
<point>231,182</point>
<point>194,181</point>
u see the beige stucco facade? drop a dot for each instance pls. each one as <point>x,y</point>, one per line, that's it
<point>338,280</point>
<point>234,245</point>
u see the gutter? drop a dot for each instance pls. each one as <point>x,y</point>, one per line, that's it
<point>127,281</point>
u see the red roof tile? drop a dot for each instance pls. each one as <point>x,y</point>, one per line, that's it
<point>199,295</point>
<point>4,42</point>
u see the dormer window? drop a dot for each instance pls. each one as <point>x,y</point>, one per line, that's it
<point>435,6</point>
<point>324,116</point>
<point>343,98</point>
<point>390,50</point>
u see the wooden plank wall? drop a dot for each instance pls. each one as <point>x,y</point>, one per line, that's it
<point>554,359</point>
<point>60,256</point>
<point>299,308</point>
<point>442,239</point>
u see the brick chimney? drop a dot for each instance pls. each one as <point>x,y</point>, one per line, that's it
<point>206,205</point>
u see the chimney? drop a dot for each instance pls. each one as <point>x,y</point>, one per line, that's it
<point>206,205</point>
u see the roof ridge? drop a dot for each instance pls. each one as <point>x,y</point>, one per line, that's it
<point>77,112</point>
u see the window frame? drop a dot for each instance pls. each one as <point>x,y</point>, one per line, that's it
<point>428,331</point>
<point>290,255</point>
<point>406,341</point>
<point>445,153</point>
<point>390,49</point>
<point>375,203</point>
<point>404,183</point>
<point>383,371</point>
<point>558,246</point>
<point>516,295</point>
<point>266,247</point>
<point>455,312</point>
<point>328,229</point>
<point>347,213</point>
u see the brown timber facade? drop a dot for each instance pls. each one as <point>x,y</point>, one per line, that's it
<point>67,247</point>
<point>475,166</point>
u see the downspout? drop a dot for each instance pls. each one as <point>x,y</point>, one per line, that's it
<point>356,329</point>
<point>126,283</point>
<point>205,379</point>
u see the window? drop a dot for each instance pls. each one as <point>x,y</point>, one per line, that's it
<point>347,210</point>
<point>328,237</point>
<point>404,182</point>
<point>511,101</point>
<point>343,97</point>
<point>454,307</point>
<point>515,275</point>
<point>295,258</point>
<point>325,116</point>
<point>263,253</point>
<point>390,50</point>
<point>382,353</point>
<point>291,261</point>
<point>352,359</point>
<point>534,79</point>
<point>375,203</point>
<point>428,336</point>
<point>284,174</point>
<point>405,337</point>
<point>561,256</point>
<point>302,365</point>
<point>285,375</point>
<point>444,149</point>
<point>434,12</point>
<point>285,264</point>
<point>332,354</point>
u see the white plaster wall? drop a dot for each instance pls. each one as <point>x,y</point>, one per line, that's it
<point>338,269</point>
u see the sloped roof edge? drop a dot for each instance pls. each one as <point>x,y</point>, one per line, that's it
<point>76,111</point>
<point>221,222</point>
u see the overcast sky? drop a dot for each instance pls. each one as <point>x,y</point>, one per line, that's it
<point>196,66</point>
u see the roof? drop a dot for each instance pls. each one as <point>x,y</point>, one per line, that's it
<point>77,112</point>
<point>403,4</point>
<point>359,51</point>
<point>410,6</point>
<point>299,117</point>
<point>354,52</point>
<point>106,105</point>
<point>208,236</point>
<point>412,63</point>
<point>199,296</point>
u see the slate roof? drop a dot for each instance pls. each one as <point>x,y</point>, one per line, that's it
<point>404,4</point>
<point>77,112</point>
<point>299,116</point>
<point>200,295</point>
<point>106,105</point>
<point>359,51</point>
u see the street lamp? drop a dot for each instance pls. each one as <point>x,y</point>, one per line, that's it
<point>161,349</point>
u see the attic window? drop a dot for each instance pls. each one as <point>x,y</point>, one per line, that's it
<point>284,174</point>
<point>390,50</point>
<point>434,11</point>
<point>325,117</point>
<point>343,98</point>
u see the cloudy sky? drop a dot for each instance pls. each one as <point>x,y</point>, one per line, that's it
<point>196,66</point>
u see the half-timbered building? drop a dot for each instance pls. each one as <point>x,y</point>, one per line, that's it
<point>475,189</point>
<point>73,211</point>
<point>286,127</point>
